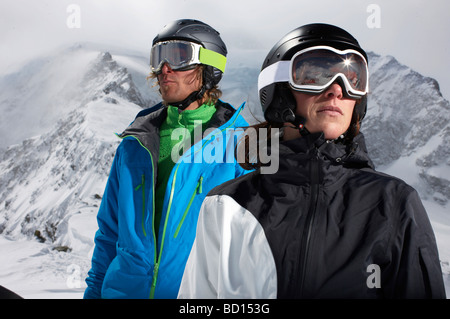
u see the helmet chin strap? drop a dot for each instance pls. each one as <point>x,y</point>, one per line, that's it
<point>194,96</point>
<point>299,122</point>
<point>295,119</point>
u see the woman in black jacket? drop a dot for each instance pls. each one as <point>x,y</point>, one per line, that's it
<point>326,224</point>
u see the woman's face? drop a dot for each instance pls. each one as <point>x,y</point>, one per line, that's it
<point>328,112</point>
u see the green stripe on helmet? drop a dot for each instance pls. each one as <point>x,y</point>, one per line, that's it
<point>212,58</point>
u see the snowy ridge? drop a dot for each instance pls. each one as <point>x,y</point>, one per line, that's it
<point>51,184</point>
<point>59,114</point>
<point>409,121</point>
<point>65,169</point>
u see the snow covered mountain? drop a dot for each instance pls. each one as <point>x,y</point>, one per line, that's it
<point>409,120</point>
<point>49,177</point>
<point>59,114</point>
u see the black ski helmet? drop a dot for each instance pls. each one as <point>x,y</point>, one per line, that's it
<point>197,32</point>
<point>277,101</point>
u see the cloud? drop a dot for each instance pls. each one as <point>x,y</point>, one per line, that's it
<point>415,32</point>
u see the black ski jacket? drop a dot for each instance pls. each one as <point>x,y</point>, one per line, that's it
<point>325,225</point>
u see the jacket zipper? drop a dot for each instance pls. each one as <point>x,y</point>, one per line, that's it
<point>158,261</point>
<point>142,185</point>
<point>158,257</point>
<point>306,237</point>
<point>198,190</point>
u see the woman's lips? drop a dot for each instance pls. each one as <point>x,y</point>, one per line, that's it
<point>330,110</point>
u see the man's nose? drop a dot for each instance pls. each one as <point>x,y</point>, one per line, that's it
<point>166,68</point>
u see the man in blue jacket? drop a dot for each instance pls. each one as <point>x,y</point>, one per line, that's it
<point>168,160</point>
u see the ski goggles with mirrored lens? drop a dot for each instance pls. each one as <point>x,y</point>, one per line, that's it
<point>314,69</point>
<point>183,55</point>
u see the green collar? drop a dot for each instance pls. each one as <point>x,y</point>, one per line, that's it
<point>187,118</point>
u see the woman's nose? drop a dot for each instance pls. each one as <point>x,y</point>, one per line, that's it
<point>334,91</point>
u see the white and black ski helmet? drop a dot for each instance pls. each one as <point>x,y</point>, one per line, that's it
<point>198,32</point>
<point>276,99</point>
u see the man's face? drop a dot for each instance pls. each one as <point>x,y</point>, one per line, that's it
<point>177,85</point>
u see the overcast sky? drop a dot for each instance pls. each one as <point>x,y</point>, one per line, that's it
<point>414,31</point>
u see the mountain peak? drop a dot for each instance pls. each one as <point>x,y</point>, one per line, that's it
<point>105,76</point>
<point>47,88</point>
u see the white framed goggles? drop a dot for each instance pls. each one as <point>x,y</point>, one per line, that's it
<point>183,55</point>
<point>314,69</point>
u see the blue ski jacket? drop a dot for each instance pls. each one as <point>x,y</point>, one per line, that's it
<point>128,260</point>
